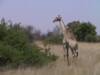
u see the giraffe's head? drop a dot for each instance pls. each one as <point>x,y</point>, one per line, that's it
<point>58,18</point>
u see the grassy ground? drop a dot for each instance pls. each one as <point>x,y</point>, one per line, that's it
<point>88,63</point>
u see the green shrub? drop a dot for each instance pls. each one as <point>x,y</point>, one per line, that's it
<point>90,38</point>
<point>54,40</point>
<point>8,54</point>
<point>98,38</point>
<point>30,56</point>
<point>16,50</point>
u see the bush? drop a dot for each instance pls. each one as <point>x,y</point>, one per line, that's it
<point>30,56</point>
<point>8,54</point>
<point>98,38</point>
<point>16,49</point>
<point>54,40</point>
<point>90,38</point>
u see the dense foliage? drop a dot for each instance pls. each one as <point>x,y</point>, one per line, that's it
<point>16,49</point>
<point>53,40</point>
<point>54,37</point>
<point>98,38</point>
<point>84,31</point>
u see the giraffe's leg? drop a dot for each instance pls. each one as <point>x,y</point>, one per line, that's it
<point>73,53</point>
<point>67,55</point>
<point>76,50</point>
<point>77,53</point>
<point>64,48</point>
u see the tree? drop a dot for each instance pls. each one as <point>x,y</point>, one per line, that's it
<point>3,29</point>
<point>50,34</point>
<point>83,30</point>
<point>73,27</point>
<point>15,36</point>
<point>37,35</point>
<point>33,33</point>
<point>16,50</point>
<point>57,30</point>
<point>29,31</point>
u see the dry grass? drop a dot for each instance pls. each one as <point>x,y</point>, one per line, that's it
<point>88,63</point>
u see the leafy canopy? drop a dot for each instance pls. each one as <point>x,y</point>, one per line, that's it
<point>83,30</point>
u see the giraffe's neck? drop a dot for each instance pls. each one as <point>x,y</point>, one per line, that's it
<point>66,33</point>
<point>63,28</point>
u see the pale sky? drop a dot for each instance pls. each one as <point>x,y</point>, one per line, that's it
<point>40,13</point>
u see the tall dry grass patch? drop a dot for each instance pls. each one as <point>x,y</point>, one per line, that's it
<point>88,63</point>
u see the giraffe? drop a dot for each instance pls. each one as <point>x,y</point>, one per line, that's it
<point>69,42</point>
